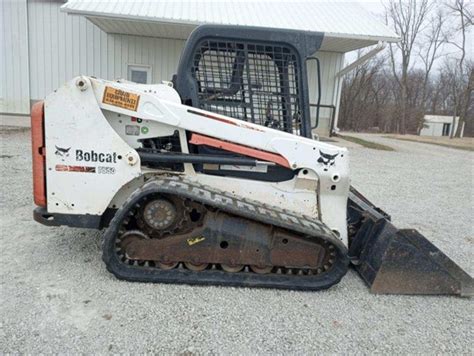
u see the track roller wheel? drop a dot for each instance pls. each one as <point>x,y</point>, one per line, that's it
<point>166,265</point>
<point>261,270</point>
<point>232,268</point>
<point>196,267</point>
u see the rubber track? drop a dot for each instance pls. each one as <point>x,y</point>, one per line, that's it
<point>249,209</point>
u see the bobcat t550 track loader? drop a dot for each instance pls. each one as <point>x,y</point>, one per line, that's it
<point>214,178</point>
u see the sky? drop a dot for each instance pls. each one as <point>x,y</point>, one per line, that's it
<point>377,8</point>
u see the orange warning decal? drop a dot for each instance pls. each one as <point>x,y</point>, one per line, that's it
<point>120,98</point>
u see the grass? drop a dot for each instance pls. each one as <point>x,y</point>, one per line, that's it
<point>465,147</point>
<point>365,143</point>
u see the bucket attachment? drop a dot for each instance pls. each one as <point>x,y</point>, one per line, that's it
<point>393,261</point>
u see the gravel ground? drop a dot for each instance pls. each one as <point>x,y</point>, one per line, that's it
<point>56,295</point>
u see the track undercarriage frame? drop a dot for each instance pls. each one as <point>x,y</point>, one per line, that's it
<point>230,242</point>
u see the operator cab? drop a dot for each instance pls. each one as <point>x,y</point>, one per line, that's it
<point>253,74</point>
<point>257,75</point>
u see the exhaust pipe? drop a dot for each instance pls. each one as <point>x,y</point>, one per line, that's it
<point>393,261</point>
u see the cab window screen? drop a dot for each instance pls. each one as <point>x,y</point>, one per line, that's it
<point>249,81</point>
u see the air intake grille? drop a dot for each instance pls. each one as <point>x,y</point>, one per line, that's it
<point>249,81</point>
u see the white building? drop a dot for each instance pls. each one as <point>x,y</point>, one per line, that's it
<point>440,125</point>
<point>46,42</point>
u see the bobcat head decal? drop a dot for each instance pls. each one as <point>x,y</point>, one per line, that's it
<point>62,152</point>
<point>327,159</point>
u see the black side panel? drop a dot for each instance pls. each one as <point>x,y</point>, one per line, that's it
<point>250,73</point>
<point>42,216</point>
<point>274,173</point>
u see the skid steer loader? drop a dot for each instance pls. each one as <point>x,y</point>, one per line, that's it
<point>214,178</point>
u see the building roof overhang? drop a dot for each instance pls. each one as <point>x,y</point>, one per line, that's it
<point>346,26</point>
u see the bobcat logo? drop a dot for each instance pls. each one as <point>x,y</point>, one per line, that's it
<point>327,159</point>
<point>62,152</point>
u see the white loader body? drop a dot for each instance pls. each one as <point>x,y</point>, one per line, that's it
<point>93,128</point>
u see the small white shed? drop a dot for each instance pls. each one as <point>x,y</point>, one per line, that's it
<point>46,42</point>
<point>440,125</point>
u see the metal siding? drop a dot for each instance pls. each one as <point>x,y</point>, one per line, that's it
<point>55,42</point>
<point>63,46</point>
<point>14,82</point>
<point>160,53</point>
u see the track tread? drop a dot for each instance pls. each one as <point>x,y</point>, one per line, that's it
<point>238,206</point>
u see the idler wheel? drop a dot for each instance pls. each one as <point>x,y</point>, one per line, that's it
<point>129,237</point>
